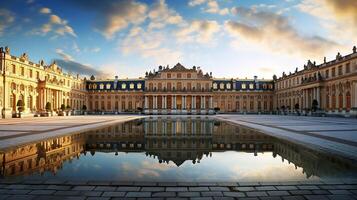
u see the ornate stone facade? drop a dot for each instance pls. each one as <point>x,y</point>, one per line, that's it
<point>329,87</point>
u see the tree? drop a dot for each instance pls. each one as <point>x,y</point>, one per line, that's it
<point>48,106</point>
<point>315,105</point>
<point>63,107</point>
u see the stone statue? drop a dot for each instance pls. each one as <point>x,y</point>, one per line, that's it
<point>42,62</point>
<point>354,49</point>
<point>338,56</point>
<point>325,59</point>
<point>296,70</point>
<point>24,56</point>
<point>146,73</point>
<point>274,77</point>
<point>7,50</point>
<point>92,78</point>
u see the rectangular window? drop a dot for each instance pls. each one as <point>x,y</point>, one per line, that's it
<point>168,75</point>
<point>327,73</point>
<point>22,71</point>
<point>30,73</point>
<point>348,68</point>
<point>14,69</point>
<point>178,75</point>
<point>188,75</point>
<point>333,72</point>
<point>340,70</point>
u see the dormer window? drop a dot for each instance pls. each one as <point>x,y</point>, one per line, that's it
<point>131,86</point>
<point>215,86</point>
<point>139,85</point>
<point>244,86</point>
<point>101,86</point>
<point>94,86</point>
<point>221,86</point>
<point>123,86</point>
<point>251,86</point>
<point>228,86</point>
<point>108,86</point>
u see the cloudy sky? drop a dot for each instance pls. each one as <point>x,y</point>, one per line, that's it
<point>231,38</point>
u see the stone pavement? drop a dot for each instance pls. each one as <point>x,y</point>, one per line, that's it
<point>16,132</point>
<point>55,189</point>
<point>333,135</point>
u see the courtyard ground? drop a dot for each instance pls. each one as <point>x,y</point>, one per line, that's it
<point>334,135</point>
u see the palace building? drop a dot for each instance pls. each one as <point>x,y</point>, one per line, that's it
<point>330,87</point>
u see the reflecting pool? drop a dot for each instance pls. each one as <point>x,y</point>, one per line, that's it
<point>170,149</point>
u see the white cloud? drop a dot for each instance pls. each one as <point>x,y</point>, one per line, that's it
<point>212,6</point>
<point>6,19</point>
<point>54,25</point>
<point>64,55</point>
<point>149,44</point>
<point>201,31</point>
<point>160,15</point>
<point>45,10</point>
<point>275,33</point>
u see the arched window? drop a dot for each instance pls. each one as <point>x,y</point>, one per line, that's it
<point>340,101</point>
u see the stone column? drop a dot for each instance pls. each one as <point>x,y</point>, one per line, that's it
<point>183,102</point>
<point>162,102</point>
<point>204,102</point>
<point>318,97</point>
<point>146,102</point>
<point>210,102</point>
<point>354,96</point>
<point>193,102</point>
<point>155,102</point>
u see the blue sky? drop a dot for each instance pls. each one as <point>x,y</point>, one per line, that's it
<point>230,38</point>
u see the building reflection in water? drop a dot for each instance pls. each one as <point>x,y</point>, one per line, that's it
<point>168,140</point>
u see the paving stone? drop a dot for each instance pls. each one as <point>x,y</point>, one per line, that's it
<point>164,194</point>
<point>340,192</point>
<point>308,187</point>
<point>126,183</point>
<point>327,187</point>
<point>270,198</point>
<point>223,198</point>
<point>278,193</point>
<point>201,198</point>
<point>249,184</point>
<point>4,196</point>
<point>102,183</point>
<point>122,198</point>
<point>188,194</point>
<point>198,189</point>
<point>138,194</point>
<point>207,184</point>
<point>353,191</point>
<point>54,182</point>
<point>300,192</point>
<point>76,182</point>
<point>91,193</point>
<point>150,198</point>
<point>42,192</point>
<point>67,193</point>
<point>20,197</point>
<point>316,197</point>
<point>219,188</point>
<point>286,187</point>
<point>257,194</point>
<point>230,184</point>
<point>244,189</point>
<point>340,197</point>
<point>16,186</point>
<point>113,194</point>
<point>36,187</point>
<point>212,194</point>
<point>98,198</point>
<point>152,189</point>
<point>234,194</point>
<point>128,189</point>
<point>59,187</point>
<point>176,189</point>
<point>105,188</point>
<point>293,198</point>
<point>320,192</point>
<point>264,188</point>
<point>83,188</point>
<point>346,187</point>
<point>18,191</point>
<point>249,198</point>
